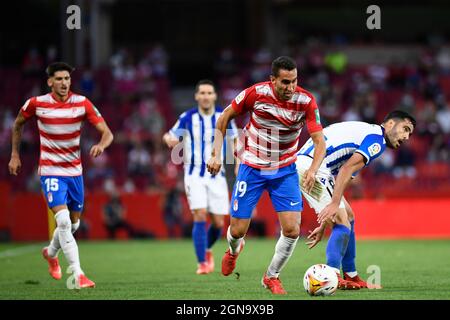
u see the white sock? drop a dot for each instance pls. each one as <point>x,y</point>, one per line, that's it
<point>352,274</point>
<point>54,246</point>
<point>67,241</point>
<point>234,244</point>
<point>337,270</point>
<point>283,251</point>
<point>75,226</point>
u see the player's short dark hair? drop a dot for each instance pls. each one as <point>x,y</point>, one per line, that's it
<point>400,115</point>
<point>204,81</point>
<point>58,66</point>
<point>283,62</point>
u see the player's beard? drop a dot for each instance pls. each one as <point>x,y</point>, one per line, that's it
<point>388,141</point>
<point>206,108</point>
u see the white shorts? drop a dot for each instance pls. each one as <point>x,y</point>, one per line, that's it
<point>323,189</point>
<point>207,193</point>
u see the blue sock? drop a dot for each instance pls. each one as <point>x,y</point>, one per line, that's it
<point>213,235</point>
<point>337,245</point>
<point>348,261</point>
<point>199,237</point>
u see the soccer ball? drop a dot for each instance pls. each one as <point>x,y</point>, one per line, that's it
<point>320,280</point>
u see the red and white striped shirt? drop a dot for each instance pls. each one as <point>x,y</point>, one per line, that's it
<point>272,134</point>
<point>59,126</point>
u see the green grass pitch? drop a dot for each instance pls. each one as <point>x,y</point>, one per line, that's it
<point>165,270</point>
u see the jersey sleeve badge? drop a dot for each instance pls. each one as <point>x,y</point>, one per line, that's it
<point>240,97</point>
<point>374,149</point>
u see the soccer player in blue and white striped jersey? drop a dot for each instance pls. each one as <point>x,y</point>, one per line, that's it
<point>351,146</point>
<point>206,194</point>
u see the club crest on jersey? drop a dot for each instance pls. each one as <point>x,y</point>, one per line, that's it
<point>50,197</point>
<point>240,97</point>
<point>235,205</point>
<point>374,149</point>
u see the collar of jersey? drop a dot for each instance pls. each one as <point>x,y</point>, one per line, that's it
<point>56,99</point>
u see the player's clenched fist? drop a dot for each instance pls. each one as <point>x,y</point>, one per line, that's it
<point>214,165</point>
<point>14,166</point>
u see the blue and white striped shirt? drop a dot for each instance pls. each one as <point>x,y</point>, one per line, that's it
<point>344,139</point>
<point>197,131</point>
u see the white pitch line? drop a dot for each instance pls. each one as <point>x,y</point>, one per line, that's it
<point>18,251</point>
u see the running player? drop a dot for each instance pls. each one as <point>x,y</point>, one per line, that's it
<point>351,146</point>
<point>207,195</point>
<point>60,114</point>
<point>278,111</point>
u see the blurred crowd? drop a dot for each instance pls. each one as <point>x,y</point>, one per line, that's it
<point>367,92</point>
<point>133,93</point>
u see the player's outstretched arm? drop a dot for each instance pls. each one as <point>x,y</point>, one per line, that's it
<point>354,164</point>
<point>319,153</point>
<point>105,140</point>
<point>215,162</point>
<point>15,164</point>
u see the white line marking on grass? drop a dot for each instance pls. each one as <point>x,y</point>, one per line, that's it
<point>18,251</point>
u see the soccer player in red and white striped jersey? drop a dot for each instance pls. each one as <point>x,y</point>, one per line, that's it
<point>60,115</point>
<point>278,111</point>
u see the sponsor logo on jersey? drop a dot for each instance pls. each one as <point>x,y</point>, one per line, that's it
<point>374,149</point>
<point>240,97</point>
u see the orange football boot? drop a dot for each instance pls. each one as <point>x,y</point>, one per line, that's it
<point>347,284</point>
<point>273,284</point>
<point>203,268</point>
<point>53,265</point>
<point>229,260</point>
<point>361,282</point>
<point>84,282</point>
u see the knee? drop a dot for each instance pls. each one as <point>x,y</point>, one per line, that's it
<point>237,233</point>
<point>238,227</point>
<point>291,232</point>
<point>351,215</point>
<point>199,215</point>
<point>218,223</point>
<point>344,221</point>
<point>63,220</point>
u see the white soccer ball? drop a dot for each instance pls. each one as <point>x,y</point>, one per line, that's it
<point>320,280</point>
